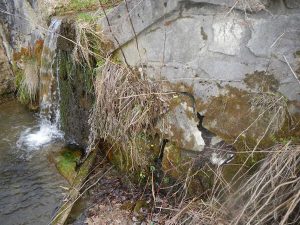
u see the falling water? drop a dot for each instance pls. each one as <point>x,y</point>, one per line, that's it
<point>49,117</point>
<point>47,78</point>
<point>29,184</point>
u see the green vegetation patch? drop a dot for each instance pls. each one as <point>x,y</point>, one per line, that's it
<point>86,5</point>
<point>66,161</point>
<point>26,66</point>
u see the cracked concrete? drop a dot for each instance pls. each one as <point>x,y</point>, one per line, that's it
<point>209,46</point>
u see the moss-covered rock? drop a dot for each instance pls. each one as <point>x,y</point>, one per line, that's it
<point>140,155</point>
<point>66,162</point>
<point>261,81</point>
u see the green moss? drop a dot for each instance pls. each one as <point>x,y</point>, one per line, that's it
<point>66,162</point>
<point>85,5</point>
<point>297,54</point>
<point>86,17</point>
<point>116,57</point>
<point>78,5</point>
<point>172,161</point>
<point>138,159</point>
<point>81,176</point>
<point>100,62</point>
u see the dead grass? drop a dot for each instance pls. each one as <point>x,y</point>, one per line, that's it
<point>89,41</point>
<point>248,5</point>
<point>270,195</point>
<point>125,106</point>
<point>28,82</point>
<point>251,5</point>
<point>270,105</point>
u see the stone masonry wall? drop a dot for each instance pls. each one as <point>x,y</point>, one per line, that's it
<point>235,60</point>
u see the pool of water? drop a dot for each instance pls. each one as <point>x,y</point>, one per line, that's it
<point>30,187</point>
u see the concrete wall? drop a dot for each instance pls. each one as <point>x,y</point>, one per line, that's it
<point>202,41</point>
<point>225,55</point>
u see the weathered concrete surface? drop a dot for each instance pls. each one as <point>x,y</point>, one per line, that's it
<point>214,48</point>
<point>197,40</point>
<point>143,14</point>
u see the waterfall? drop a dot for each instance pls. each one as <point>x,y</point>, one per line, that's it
<point>49,116</point>
<point>48,91</point>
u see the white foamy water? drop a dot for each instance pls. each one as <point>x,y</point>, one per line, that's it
<point>36,137</point>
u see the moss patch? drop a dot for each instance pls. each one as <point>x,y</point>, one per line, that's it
<point>84,5</point>
<point>147,150</point>
<point>262,81</point>
<point>66,161</point>
<point>230,116</point>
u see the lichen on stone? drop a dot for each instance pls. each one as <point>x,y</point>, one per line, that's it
<point>262,81</point>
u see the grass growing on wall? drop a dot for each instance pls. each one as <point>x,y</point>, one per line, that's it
<point>26,69</point>
<point>86,5</point>
<point>81,4</point>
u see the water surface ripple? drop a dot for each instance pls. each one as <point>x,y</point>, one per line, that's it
<point>29,185</point>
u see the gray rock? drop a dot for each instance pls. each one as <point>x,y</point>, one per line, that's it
<point>7,85</point>
<point>275,36</point>
<point>292,4</point>
<point>182,128</point>
<point>24,21</point>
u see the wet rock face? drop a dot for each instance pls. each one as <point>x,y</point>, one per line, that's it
<point>68,31</point>
<point>76,86</point>
<point>76,101</point>
<point>292,4</point>
<point>24,21</point>
<point>7,85</point>
<point>228,56</point>
<point>20,28</point>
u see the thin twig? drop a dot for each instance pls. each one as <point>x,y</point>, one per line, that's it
<point>295,75</point>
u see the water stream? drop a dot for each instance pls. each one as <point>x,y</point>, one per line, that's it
<point>29,185</point>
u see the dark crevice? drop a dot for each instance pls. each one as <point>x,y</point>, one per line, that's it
<point>205,133</point>
<point>161,151</point>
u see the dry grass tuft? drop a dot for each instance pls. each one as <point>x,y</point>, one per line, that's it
<point>83,49</point>
<point>251,5</point>
<point>91,44</point>
<point>270,195</point>
<point>30,81</point>
<point>125,106</point>
<point>270,105</point>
